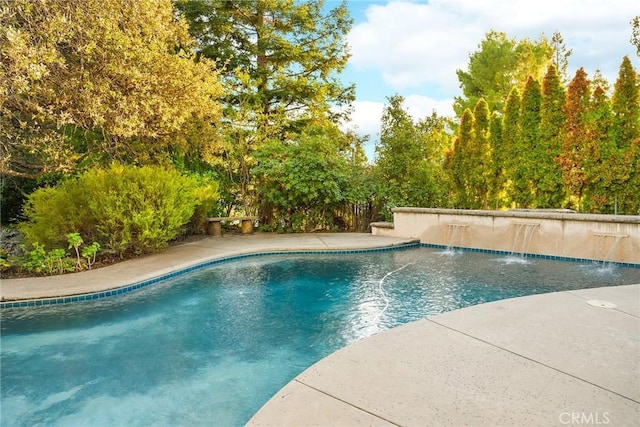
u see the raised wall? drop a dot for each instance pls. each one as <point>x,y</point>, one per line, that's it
<point>547,232</point>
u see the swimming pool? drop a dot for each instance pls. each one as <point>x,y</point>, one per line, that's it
<point>213,345</point>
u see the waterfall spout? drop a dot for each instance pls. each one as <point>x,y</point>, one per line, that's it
<point>522,237</point>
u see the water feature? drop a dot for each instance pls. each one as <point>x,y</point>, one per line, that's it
<point>614,238</point>
<point>212,346</point>
<point>521,238</point>
<point>455,238</point>
<point>559,233</point>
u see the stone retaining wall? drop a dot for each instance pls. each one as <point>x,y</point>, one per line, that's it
<point>547,232</point>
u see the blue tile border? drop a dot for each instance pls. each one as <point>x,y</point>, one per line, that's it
<point>529,255</point>
<point>145,283</point>
<point>148,282</point>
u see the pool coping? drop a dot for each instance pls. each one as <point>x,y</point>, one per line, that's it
<point>134,274</point>
<point>549,359</point>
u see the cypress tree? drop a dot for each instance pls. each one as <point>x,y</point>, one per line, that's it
<point>510,135</point>
<point>601,159</point>
<point>457,163</point>
<point>626,105</point>
<point>498,160</point>
<point>626,135</point>
<point>528,144</point>
<point>479,157</point>
<point>575,137</point>
<point>549,186</point>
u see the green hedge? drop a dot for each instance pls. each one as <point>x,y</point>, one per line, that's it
<point>126,209</point>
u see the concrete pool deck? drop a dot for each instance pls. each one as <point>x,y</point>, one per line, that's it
<point>551,359</point>
<point>182,256</point>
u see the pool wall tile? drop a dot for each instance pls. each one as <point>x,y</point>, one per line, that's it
<point>148,282</point>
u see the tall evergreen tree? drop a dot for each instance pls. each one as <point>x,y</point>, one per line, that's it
<point>575,137</point>
<point>525,176</point>
<point>479,157</point>
<point>498,162</point>
<point>458,163</point>
<point>549,185</point>
<point>510,138</point>
<point>626,136</point>
<point>601,159</point>
<point>560,55</point>
<point>498,65</point>
<point>635,33</point>
<point>626,105</point>
<point>280,61</point>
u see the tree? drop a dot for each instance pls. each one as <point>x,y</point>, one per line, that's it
<point>635,33</point>
<point>510,138</point>
<point>602,162</point>
<point>549,185</point>
<point>560,55</point>
<point>302,182</point>
<point>574,155</point>
<point>498,65</point>
<point>479,157</point>
<point>497,177</point>
<point>625,104</point>
<point>528,144</point>
<point>279,60</point>
<point>85,79</point>
<point>410,156</point>
<point>459,164</point>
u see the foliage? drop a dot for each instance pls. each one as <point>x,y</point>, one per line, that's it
<point>635,33</point>
<point>75,241</point>
<point>524,176</point>
<point>496,176</point>
<point>574,155</point>
<point>40,261</point>
<point>497,66</point>
<point>301,182</point>
<point>510,140</point>
<point>552,149</point>
<point>560,56</point>
<point>279,62</point>
<point>84,80</point>
<point>410,156</point>
<point>601,155</point>
<point>458,162</point>
<point>4,259</point>
<point>626,105</point>
<point>123,209</point>
<point>549,191</point>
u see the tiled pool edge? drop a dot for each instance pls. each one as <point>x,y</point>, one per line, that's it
<point>530,255</point>
<point>39,302</point>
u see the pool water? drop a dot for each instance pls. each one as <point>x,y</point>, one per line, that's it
<point>212,346</point>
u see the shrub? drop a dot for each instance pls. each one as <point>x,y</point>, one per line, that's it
<point>125,209</point>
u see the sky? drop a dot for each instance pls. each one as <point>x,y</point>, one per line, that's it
<point>413,48</point>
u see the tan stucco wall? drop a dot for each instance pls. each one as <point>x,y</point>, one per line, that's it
<point>558,233</point>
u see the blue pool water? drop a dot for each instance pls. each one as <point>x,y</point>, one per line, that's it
<point>212,346</point>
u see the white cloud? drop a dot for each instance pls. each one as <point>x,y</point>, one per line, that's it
<point>420,106</point>
<point>365,118</point>
<point>413,44</point>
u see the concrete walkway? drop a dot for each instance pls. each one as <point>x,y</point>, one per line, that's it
<point>550,359</point>
<point>180,257</point>
<point>541,360</point>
